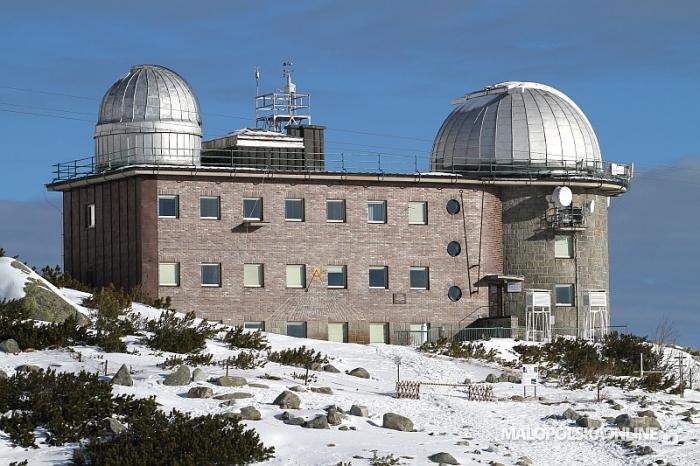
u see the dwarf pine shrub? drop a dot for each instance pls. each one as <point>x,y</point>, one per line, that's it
<point>237,337</point>
<point>300,357</point>
<point>179,334</point>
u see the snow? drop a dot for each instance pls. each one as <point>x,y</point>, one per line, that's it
<point>444,420</point>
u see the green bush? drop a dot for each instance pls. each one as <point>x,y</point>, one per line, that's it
<point>455,349</point>
<point>61,279</point>
<point>179,334</point>
<point>16,324</point>
<point>299,357</point>
<point>245,360</point>
<point>237,337</point>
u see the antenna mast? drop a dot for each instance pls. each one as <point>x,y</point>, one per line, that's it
<point>283,107</point>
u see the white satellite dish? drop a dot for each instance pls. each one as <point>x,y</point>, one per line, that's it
<point>562,196</point>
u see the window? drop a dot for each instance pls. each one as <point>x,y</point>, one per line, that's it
<point>294,210</point>
<point>454,248</point>
<point>376,212</point>
<point>452,206</point>
<point>296,276</point>
<point>252,208</point>
<point>564,295</point>
<point>335,210</point>
<point>419,278</point>
<point>563,246</point>
<point>90,216</point>
<point>378,277</point>
<point>211,274</point>
<point>252,275</point>
<point>167,206</point>
<point>253,326</point>
<point>296,329</point>
<point>169,274</point>
<point>454,293</point>
<point>418,213</point>
<point>336,276</point>
<point>209,208</point>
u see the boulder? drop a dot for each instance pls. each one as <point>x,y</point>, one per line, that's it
<point>397,422</point>
<point>335,415</point>
<point>324,390</point>
<point>287,400</point>
<point>9,346</point>
<point>443,458</point>
<point>491,378</point>
<point>181,376</point>
<point>588,423</point>
<point>571,415</point>
<point>81,320</point>
<point>258,385</point>
<point>330,368</point>
<point>3,374</point>
<point>198,375</point>
<point>627,422</point>
<point>524,461</point>
<point>298,388</point>
<point>231,381</point>
<point>359,372</point>
<point>200,392</point>
<point>467,381</point>
<point>492,449</point>
<point>249,413</point>
<point>113,426</point>
<point>647,413</point>
<point>28,368</point>
<point>123,377</point>
<point>228,403</point>
<point>517,398</point>
<point>296,421</point>
<point>320,422</point>
<point>358,410</point>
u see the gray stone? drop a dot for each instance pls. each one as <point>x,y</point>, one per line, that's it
<point>296,421</point>
<point>231,381</point>
<point>491,378</point>
<point>229,403</point>
<point>113,426</point>
<point>298,388</point>
<point>320,422</point>
<point>359,372</point>
<point>467,381</point>
<point>198,375</point>
<point>324,390</point>
<point>9,346</point>
<point>571,415</point>
<point>508,378</point>
<point>249,413</point>
<point>524,461</point>
<point>343,428</point>
<point>645,450</point>
<point>335,415</point>
<point>287,400</point>
<point>330,368</point>
<point>3,374</point>
<point>234,396</point>
<point>517,398</point>
<point>492,449</point>
<point>626,422</point>
<point>258,385</point>
<point>358,410</point>
<point>123,377</point>
<point>647,413</point>
<point>181,376</point>
<point>81,320</point>
<point>28,368</point>
<point>589,423</point>
<point>443,458</point>
<point>285,416</point>
<point>688,419</point>
<point>618,407</point>
<point>397,422</point>
<point>200,392</point>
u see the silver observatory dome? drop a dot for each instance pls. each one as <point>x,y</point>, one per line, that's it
<point>150,116</point>
<point>515,126</point>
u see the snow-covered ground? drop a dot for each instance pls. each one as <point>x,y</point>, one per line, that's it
<point>445,421</point>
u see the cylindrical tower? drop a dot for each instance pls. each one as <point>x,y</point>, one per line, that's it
<point>150,116</point>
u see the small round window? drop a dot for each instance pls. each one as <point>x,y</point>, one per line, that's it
<point>455,294</point>
<point>452,206</point>
<point>453,249</point>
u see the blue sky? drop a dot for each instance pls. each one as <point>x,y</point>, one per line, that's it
<point>381,75</point>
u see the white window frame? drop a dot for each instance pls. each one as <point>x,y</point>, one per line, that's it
<point>330,202</point>
<point>169,269</point>
<point>253,276</point>
<point>426,273</point>
<point>417,209</point>
<point>335,270</point>
<point>209,265</point>
<point>370,211</point>
<point>289,218</point>
<point>563,246</point>
<point>218,207</point>
<point>296,275</point>
<point>385,271</point>
<point>250,214</point>
<point>174,198</point>
<point>90,216</point>
<point>572,292</point>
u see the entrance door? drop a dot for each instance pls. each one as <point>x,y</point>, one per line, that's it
<point>496,301</point>
<point>338,331</point>
<point>378,333</point>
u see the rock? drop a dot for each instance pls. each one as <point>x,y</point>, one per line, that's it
<point>524,461</point>
<point>200,392</point>
<point>287,400</point>
<point>315,366</point>
<point>225,396</point>
<point>81,320</point>
<point>113,426</point>
<point>324,390</point>
<point>647,413</point>
<point>359,410</point>
<point>9,346</point>
<point>231,381</point>
<point>571,415</point>
<point>343,428</point>
<point>626,422</point>
<point>359,372</point>
<point>285,416</point>
<point>249,413</point>
<point>123,377</point>
<point>28,368</point>
<point>467,381</point>
<point>181,376</point>
<point>234,396</point>
<point>335,415</point>
<point>517,398</point>
<point>443,458</point>
<point>228,403</point>
<point>296,421</point>
<point>589,423</point>
<point>688,419</point>
<point>617,407</point>
<point>198,375</point>
<point>320,422</point>
<point>330,368</point>
<point>258,385</point>
<point>491,378</point>
<point>397,422</point>
<point>508,378</point>
<point>298,388</point>
<point>492,449</point>
<point>645,450</point>
<point>3,374</point>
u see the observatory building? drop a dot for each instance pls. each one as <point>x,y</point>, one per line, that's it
<point>502,230</point>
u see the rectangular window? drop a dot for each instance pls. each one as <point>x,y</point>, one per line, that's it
<point>252,275</point>
<point>564,295</point>
<point>417,213</point>
<point>296,276</point>
<point>294,210</point>
<point>336,276</point>
<point>296,329</point>
<point>253,326</point>
<point>335,210</point>
<point>419,278</point>
<point>563,246</point>
<point>252,208</point>
<point>90,216</point>
<point>169,274</point>
<point>211,274</point>
<point>209,208</point>
<point>378,277</point>
<point>376,212</point>
<point>167,206</point>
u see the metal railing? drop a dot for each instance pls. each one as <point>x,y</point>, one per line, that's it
<point>416,337</point>
<point>577,332</point>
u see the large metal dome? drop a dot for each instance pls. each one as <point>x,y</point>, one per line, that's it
<point>151,116</point>
<point>515,125</point>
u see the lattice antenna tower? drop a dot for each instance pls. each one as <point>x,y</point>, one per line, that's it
<point>276,110</point>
